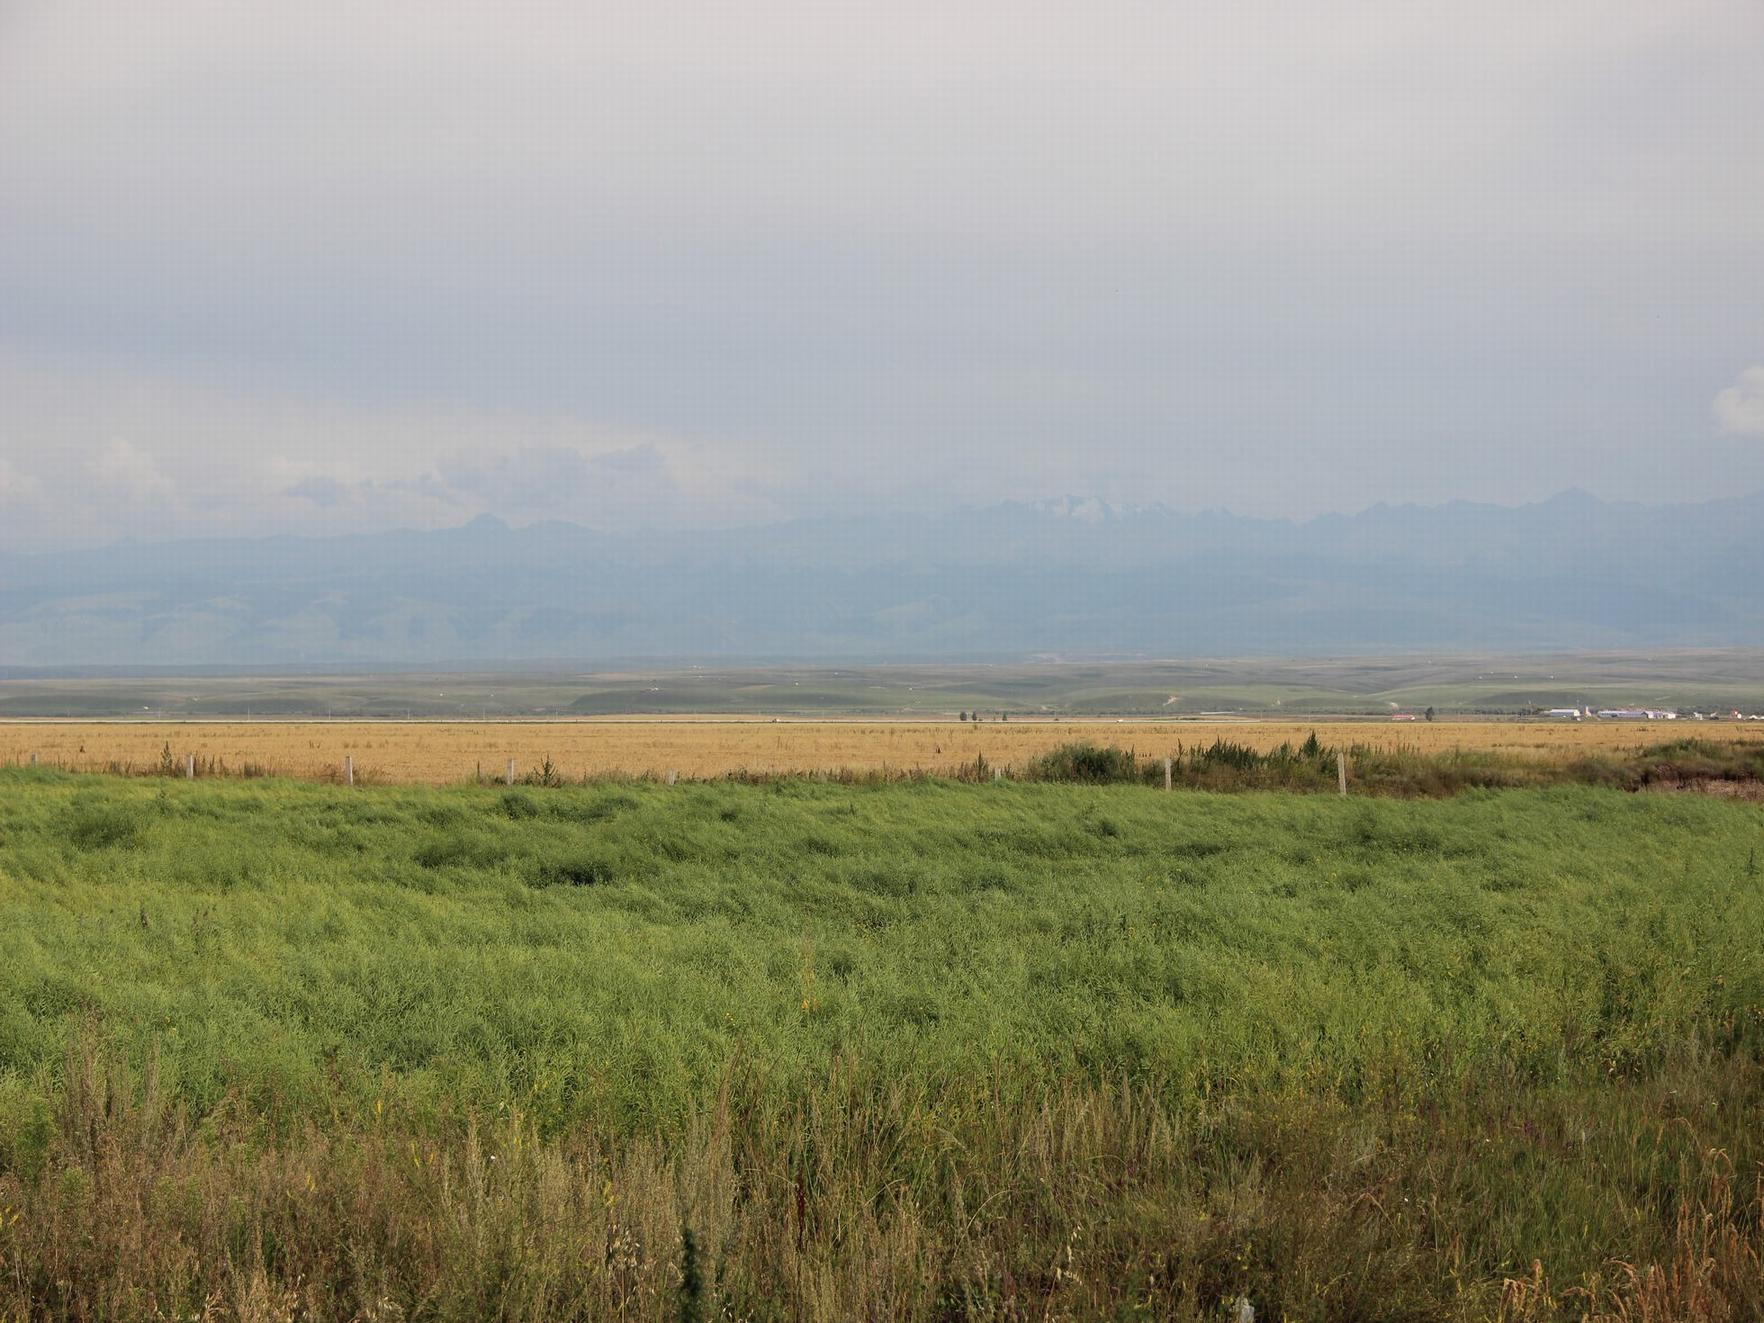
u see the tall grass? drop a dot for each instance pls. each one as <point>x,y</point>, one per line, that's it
<point>1376,769</point>
<point>926,1049</point>
<point>875,1199</point>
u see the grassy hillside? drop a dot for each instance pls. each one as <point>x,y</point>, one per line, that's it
<point>919,1049</point>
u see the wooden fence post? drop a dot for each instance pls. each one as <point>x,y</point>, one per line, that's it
<point>1341,770</point>
<point>33,757</point>
<point>189,767</point>
<point>348,769</point>
<point>510,776</point>
<point>673,776</point>
<point>1169,774</point>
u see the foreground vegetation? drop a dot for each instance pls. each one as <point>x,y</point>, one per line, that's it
<point>1734,768</point>
<point>924,1049</point>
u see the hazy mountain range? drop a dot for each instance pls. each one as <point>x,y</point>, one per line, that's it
<point>1067,576</point>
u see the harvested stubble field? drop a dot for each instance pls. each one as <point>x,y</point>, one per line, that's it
<point>442,753</point>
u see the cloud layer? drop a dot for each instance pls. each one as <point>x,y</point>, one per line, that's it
<point>404,260</point>
<point>116,455</point>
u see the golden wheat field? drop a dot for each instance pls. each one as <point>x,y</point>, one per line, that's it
<point>442,752</point>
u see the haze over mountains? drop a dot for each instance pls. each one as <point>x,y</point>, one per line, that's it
<point>1071,576</point>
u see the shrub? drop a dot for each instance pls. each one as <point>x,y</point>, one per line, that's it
<point>547,774</point>
<point>1087,764</point>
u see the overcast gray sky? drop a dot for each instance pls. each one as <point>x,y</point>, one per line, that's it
<point>313,266</point>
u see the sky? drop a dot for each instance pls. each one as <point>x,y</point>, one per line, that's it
<point>320,266</point>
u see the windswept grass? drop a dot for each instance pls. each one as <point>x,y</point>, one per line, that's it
<point>922,1049</point>
<point>1382,770</point>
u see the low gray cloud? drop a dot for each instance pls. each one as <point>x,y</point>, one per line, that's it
<point>623,489</point>
<point>16,487</point>
<point>563,481</point>
<point>120,454</point>
<point>1740,408</point>
<point>323,492</point>
<point>131,471</point>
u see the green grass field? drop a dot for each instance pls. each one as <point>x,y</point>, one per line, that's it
<point>922,1049</point>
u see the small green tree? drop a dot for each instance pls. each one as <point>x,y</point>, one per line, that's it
<point>1428,714</point>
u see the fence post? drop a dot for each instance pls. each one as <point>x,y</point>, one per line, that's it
<point>672,776</point>
<point>1169,774</point>
<point>348,769</point>
<point>189,767</point>
<point>510,775</point>
<point>1341,770</point>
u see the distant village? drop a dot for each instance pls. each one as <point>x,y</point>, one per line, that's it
<point>1612,714</point>
<point>1641,714</point>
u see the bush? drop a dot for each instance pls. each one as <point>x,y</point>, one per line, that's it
<point>1087,764</point>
